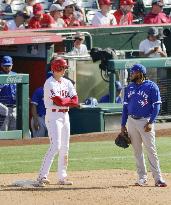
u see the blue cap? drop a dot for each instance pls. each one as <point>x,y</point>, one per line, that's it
<point>6,61</point>
<point>138,67</point>
<point>118,85</point>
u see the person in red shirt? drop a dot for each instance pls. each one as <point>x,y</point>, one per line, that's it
<point>124,14</point>
<point>156,15</point>
<point>70,16</point>
<point>3,25</point>
<point>40,20</point>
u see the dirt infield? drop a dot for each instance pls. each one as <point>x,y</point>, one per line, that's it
<point>103,187</point>
<point>100,187</point>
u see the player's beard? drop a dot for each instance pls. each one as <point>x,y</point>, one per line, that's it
<point>134,80</point>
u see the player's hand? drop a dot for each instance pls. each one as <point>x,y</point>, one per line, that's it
<point>148,127</point>
<point>36,125</point>
<point>123,129</point>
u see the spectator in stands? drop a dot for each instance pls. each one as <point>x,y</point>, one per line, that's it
<point>71,17</point>
<point>3,25</point>
<point>60,2</point>
<point>40,19</point>
<point>103,17</point>
<point>118,87</point>
<point>28,9</point>
<point>8,6</point>
<point>79,48</point>
<point>18,22</point>
<point>124,14</point>
<point>156,15</point>
<point>8,95</point>
<point>152,47</point>
<point>56,11</point>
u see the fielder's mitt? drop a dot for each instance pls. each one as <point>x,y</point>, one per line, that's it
<point>123,140</point>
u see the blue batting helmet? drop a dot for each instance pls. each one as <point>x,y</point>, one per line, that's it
<point>138,67</point>
<point>91,101</point>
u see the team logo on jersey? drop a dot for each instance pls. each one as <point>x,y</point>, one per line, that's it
<point>130,93</point>
<point>144,101</point>
<point>144,97</point>
<point>52,92</point>
<point>63,93</point>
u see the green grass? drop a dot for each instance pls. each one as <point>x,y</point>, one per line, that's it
<point>83,156</point>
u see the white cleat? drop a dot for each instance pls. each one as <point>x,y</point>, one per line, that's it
<point>141,182</point>
<point>41,182</point>
<point>65,182</point>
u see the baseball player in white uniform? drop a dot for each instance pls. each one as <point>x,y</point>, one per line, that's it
<point>59,95</point>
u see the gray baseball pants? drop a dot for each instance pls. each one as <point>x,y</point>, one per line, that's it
<point>139,138</point>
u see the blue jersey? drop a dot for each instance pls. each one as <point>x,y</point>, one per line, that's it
<point>105,99</point>
<point>8,92</point>
<point>140,98</point>
<point>38,100</point>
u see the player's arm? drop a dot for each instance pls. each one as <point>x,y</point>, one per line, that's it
<point>35,116</point>
<point>124,113</point>
<point>70,102</point>
<point>124,118</point>
<point>73,102</point>
<point>61,101</point>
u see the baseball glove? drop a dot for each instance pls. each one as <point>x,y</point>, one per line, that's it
<point>122,140</point>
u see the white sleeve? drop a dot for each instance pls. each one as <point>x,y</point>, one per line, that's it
<point>141,46</point>
<point>113,20</point>
<point>71,88</point>
<point>95,21</point>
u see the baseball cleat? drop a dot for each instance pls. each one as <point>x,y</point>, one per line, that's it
<point>141,182</point>
<point>65,182</point>
<point>43,180</point>
<point>39,184</point>
<point>160,183</point>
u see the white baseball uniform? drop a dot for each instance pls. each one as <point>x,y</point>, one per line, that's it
<point>58,125</point>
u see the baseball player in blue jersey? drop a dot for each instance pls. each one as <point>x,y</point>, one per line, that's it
<point>38,112</point>
<point>141,107</point>
<point>105,98</point>
<point>8,95</point>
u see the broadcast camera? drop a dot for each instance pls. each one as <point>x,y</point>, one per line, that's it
<point>103,55</point>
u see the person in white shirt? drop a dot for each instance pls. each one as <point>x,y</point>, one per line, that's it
<point>103,17</point>
<point>56,11</point>
<point>18,22</point>
<point>28,9</point>
<point>152,47</point>
<point>79,48</point>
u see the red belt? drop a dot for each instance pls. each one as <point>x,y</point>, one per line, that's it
<point>59,110</point>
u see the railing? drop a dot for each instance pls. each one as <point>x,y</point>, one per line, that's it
<point>22,106</point>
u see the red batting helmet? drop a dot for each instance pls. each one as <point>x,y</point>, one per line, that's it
<point>58,64</point>
<point>127,2</point>
<point>104,2</point>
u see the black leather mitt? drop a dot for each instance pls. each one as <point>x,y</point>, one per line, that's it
<point>123,140</point>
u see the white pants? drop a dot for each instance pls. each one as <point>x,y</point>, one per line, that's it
<point>58,126</point>
<point>138,138</point>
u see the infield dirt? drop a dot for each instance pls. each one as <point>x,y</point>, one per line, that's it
<point>103,187</point>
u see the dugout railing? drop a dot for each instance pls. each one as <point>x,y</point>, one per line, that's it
<point>22,106</point>
<point>150,63</point>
